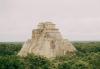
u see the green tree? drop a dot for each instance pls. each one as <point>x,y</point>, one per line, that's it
<point>11,62</point>
<point>93,59</point>
<point>81,65</point>
<point>37,62</point>
<point>9,48</point>
<point>64,65</point>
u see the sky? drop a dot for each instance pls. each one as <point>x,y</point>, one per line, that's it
<point>76,19</point>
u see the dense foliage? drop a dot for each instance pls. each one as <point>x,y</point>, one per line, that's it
<point>11,62</point>
<point>9,48</point>
<point>87,57</point>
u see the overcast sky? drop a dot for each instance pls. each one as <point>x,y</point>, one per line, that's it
<point>76,19</point>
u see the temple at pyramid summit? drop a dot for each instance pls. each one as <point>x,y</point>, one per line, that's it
<point>47,41</point>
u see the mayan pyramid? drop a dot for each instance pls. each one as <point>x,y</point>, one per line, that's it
<point>47,41</point>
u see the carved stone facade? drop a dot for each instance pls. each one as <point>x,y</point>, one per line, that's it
<point>47,41</point>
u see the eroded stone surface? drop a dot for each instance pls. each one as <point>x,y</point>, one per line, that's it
<point>47,41</point>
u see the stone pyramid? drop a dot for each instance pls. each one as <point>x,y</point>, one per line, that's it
<point>47,41</point>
